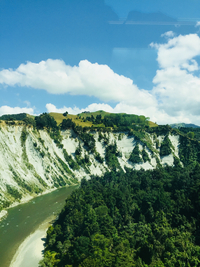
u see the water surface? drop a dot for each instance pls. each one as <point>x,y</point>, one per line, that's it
<point>24,219</point>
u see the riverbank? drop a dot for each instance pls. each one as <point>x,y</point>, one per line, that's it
<point>25,199</point>
<point>3,214</point>
<point>30,252</point>
<point>25,219</point>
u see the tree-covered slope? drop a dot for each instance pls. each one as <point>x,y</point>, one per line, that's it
<point>137,218</point>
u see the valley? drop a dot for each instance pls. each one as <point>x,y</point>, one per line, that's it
<point>53,152</point>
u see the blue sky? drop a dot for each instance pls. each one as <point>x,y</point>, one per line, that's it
<point>130,56</point>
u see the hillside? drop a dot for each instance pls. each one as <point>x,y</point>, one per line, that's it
<point>37,155</point>
<point>134,219</point>
<point>17,117</point>
<point>186,125</point>
<point>103,119</point>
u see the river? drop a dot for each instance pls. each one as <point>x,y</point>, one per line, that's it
<point>24,219</point>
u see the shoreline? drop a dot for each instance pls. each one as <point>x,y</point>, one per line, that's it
<point>25,240</point>
<point>30,251</point>
<point>25,199</point>
<point>3,214</point>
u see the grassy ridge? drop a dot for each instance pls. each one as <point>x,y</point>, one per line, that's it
<point>80,119</point>
<point>75,118</point>
<point>99,112</point>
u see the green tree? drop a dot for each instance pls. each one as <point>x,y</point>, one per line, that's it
<point>135,155</point>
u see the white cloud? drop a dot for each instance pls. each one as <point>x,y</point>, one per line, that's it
<point>27,103</point>
<point>15,110</point>
<point>179,52</point>
<point>177,86</point>
<point>89,79</point>
<point>175,96</point>
<point>52,108</point>
<point>177,90</point>
<point>168,34</point>
<point>101,106</point>
<point>197,24</point>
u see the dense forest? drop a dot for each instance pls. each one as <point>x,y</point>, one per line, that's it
<point>138,218</point>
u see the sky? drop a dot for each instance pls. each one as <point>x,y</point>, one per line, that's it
<point>138,57</point>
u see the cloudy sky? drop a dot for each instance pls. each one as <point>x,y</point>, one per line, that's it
<point>139,57</point>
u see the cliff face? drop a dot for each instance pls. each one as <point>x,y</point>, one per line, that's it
<point>31,162</point>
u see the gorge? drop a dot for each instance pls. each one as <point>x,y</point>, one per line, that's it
<point>52,151</point>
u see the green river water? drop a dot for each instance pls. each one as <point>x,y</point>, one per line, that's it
<point>24,219</point>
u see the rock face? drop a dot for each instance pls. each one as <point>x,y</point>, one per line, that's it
<point>32,163</point>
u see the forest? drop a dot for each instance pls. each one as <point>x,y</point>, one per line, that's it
<point>133,218</point>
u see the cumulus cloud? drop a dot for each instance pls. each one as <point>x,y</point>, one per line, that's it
<point>177,82</point>
<point>15,110</point>
<point>89,79</point>
<point>179,52</point>
<point>175,96</point>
